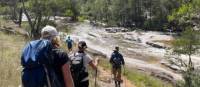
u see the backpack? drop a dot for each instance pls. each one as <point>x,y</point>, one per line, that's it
<point>36,61</point>
<point>117,62</point>
<point>77,68</point>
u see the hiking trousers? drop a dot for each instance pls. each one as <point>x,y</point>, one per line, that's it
<point>82,84</point>
<point>117,73</point>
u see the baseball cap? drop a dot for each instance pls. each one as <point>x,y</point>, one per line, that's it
<point>82,44</point>
<point>116,48</point>
<point>49,32</point>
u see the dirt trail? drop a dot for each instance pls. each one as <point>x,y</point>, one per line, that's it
<point>105,79</point>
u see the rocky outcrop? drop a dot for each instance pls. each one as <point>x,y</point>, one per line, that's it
<point>156,45</point>
<point>154,67</point>
<point>116,29</point>
<point>132,38</point>
<point>156,73</point>
<point>10,28</point>
<point>164,76</point>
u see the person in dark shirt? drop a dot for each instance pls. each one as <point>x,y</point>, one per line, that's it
<point>117,61</point>
<point>60,59</point>
<point>69,42</point>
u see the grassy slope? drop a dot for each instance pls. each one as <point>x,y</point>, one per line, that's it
<point>138,78</point>
<point>10,70</point>
<point>10,52</point>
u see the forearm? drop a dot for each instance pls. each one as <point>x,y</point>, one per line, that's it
<point>111,60</point>
<point>93,65</point>
<point>67,76</point>
<point>96,61</point>
<point>123,62</point>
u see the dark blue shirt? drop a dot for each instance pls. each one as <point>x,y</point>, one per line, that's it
<point>116,54</point>
<point>69,43</point>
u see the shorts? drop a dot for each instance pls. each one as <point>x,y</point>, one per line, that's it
<point>118,70</point>
<point>69,47</point>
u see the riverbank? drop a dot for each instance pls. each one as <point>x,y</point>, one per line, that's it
<point>137,55</point>
<point>131,75</point>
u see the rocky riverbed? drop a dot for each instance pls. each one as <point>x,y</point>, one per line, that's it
<point>133,46</point>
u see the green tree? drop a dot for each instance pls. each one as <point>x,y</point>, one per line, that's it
<point>142,13</point>
<point>38,13</point>
<point>75,9</point>
<point>188,44</point>
<point>185,13</point>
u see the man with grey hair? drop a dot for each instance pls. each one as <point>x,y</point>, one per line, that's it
<point>49,32</point>
<point>44,63</point>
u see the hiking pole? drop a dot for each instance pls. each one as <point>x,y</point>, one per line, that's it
<point>111,74</point>
<point>47,76</point>
<point>96,71</point>
<point>124,73</point>
<point>95,80</point>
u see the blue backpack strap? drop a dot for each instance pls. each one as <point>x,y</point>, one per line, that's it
<point>36,53</point>
<point>37,62</point>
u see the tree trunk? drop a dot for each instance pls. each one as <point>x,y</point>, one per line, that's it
<point>190,64</point>
<point>20,17</point>
<point>74,10</point>
<point>28,17</point>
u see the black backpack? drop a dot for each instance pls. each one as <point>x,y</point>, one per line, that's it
<point>117,62</point>
<point>78,68</point>
<point>37,63</point>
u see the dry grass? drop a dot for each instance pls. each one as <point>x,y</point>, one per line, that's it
<point>10,51</point>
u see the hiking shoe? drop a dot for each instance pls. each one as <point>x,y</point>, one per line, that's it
<point>121,81</point>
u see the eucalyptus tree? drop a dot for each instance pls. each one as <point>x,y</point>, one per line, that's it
<point>187,44</point>
<point>184,15</point>
<point>38,13</point>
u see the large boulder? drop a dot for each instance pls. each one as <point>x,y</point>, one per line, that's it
<point>8,30</point>
<point>156,45</point>
<point>116,29</point>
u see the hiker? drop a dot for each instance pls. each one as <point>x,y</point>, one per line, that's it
<point>117,61</point>
<point>69,42</point>
<point>44,63</point>
<point>79,65</point>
